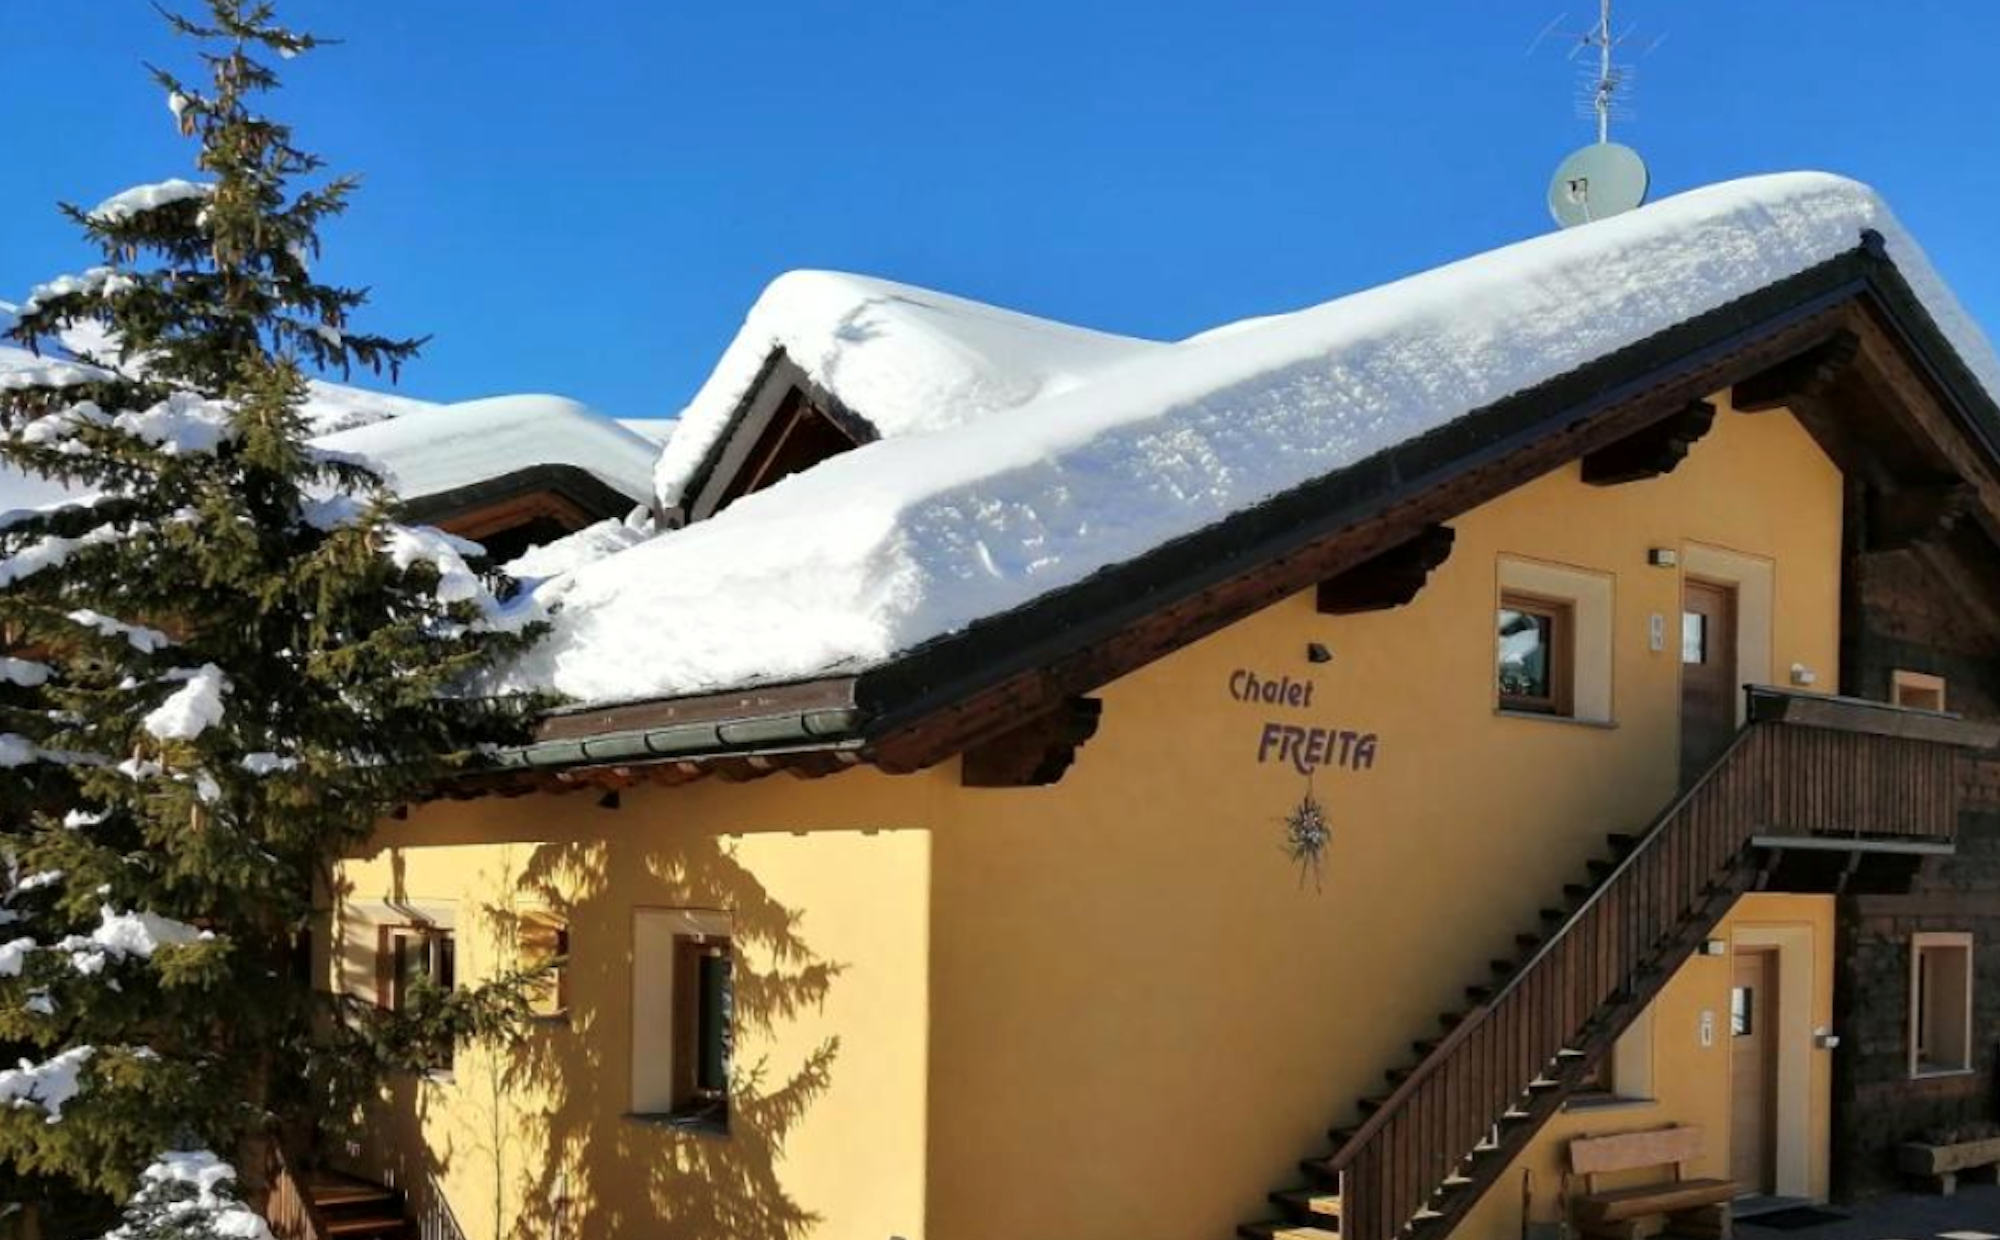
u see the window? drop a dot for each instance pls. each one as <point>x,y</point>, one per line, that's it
<point>683,1017</point>
<point>544,937</point>
<point>1742,1011</point>
<point>411,955</point>
<point>1917,690</point>
<point>1940,1004</point>
<point>1536,653</point>
<point>703,1000</point>
<point>1552,636</point>
<point>1624,1076</point>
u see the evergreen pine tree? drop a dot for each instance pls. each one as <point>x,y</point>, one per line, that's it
<point>223,663</point>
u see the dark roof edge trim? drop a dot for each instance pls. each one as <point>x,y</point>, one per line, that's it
<point>573,482</point>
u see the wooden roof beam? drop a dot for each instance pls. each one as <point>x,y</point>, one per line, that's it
<point>1652,452</point>
<point>1390,579</point>
<point>1037,753</point>
<point>1803,380</point>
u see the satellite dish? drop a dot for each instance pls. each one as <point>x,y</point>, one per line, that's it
<point>1601,180</point>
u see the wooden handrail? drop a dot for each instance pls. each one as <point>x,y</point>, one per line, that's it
<point>1828,767</point>
<point>288,1205</point>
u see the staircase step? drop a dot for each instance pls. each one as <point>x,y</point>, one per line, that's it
<point>1278,1229</point>
<point>1621,842</point>
<point>1340,1137</point>
<point>1309,1205</point>
<point>1555,916</point>
<point>1577,891</point>
<point>1451,1020</point>
<point>1528,942</point>
<point>1504,968</point>
<point>1371,1105</point>
<point>1424,1046</point>
<point>1600,868</point>
<point>1316,1170</point>
<point>1479,994</point>
<point>385,1225</point>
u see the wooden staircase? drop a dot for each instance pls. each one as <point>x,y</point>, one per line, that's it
<point>317,1204</point>
<point>351,1208</point>
<point>1812,771</point>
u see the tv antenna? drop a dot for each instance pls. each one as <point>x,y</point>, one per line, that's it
<point>1605,178</point>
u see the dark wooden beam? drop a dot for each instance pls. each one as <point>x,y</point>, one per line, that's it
<point>1651,452</point>
<point>1917,515</point>
<point>1038,752</point>
<point>1801,380</point>
<point>1390,579</point>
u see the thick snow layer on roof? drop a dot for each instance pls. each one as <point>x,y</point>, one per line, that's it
<point>440,449</point>
<point>905,359</point>
<point>881,549</point>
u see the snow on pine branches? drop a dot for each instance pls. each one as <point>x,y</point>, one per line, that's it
<point>222,661</point>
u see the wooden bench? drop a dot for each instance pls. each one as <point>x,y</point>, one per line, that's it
<point>1689,1207</point>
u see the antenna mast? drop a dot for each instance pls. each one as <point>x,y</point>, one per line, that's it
<point>1603,179</point>
<point>1607,81</point>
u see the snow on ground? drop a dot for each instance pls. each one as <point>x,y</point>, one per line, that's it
<point>878,550</point>
<point>451,446</point>
<point>906,359</point>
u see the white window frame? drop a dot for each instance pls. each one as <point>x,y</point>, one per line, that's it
<point>656,934</point>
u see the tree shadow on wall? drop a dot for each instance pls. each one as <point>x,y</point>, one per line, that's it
<point>586,1167</point>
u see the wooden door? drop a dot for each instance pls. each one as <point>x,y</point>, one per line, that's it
<point>1708,673</point>
<point>1753,1071</point>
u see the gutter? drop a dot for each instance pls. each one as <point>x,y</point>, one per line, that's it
<point>825,730</point>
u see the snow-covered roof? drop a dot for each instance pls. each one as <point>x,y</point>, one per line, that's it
<point>1113,448</point>
<point>444,447</point>
<point>904,360</point>
<point>430,448</point>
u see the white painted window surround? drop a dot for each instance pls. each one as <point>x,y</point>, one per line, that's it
<point>653,933</point>
<point>1590,596</point>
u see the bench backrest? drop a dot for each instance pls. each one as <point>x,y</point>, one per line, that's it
<point>1629,1151</point>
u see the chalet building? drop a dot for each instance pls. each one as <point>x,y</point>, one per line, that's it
<point>1516,743</point>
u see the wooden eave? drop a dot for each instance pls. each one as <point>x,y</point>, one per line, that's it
<point>567,492</point>
<point>968,688</point>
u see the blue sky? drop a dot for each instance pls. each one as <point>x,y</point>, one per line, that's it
<point>585,198</point>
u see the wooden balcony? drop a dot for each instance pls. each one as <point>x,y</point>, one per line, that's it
<point>1832,776</point>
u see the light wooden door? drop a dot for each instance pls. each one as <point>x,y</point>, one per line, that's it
<point>1708,673</point>
<point>1753,1071</point>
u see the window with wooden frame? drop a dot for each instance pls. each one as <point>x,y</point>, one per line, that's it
<point>1917,690</point>
<point>1536,654</point>
<point>1940,1004</point>
<point>410,955</point>
<point>704,1000</point>
<point>544,944</point>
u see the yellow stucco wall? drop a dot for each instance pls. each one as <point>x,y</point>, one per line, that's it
<point>1114,1007</point>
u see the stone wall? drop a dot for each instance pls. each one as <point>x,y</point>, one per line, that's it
<point>1899,614</point>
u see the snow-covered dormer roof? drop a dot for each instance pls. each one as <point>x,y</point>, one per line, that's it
<point>442,448</point>
<point>1114,450</point>
<point>898,359</point>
